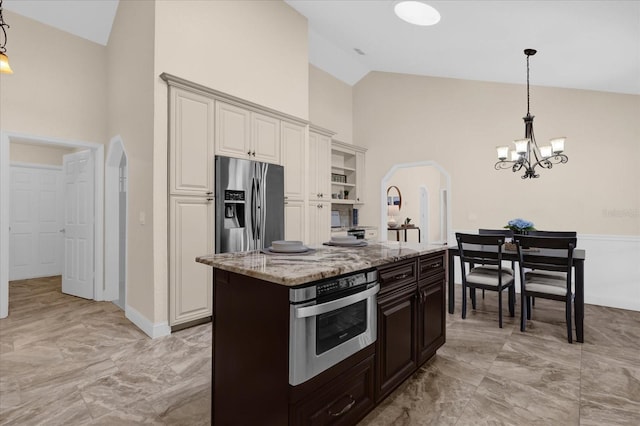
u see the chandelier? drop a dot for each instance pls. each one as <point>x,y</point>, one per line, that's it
<point>526,154</point>
<point>4,60</point>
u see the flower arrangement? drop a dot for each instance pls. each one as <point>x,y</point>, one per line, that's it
<point>519,225</point>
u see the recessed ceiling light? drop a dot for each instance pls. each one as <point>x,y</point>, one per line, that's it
<point>417,13</point>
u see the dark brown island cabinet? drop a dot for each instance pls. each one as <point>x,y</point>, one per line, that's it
<point>411,321</point>
<point>250,348</point>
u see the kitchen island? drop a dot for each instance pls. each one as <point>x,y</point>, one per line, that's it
<point>252,320</point>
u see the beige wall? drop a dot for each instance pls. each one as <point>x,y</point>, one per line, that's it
<point>130,85</point>
<point>457,123</point>
<point>331,104</point>
<point>255,50</point>
<point>58,87</point>
<point>39,154</point>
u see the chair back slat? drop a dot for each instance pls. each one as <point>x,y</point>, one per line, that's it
<point>506,232</point>
<point>480,249</point>
<point>555,253</point>
<point>557,234</point>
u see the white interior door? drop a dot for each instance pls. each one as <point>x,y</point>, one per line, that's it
<point>78,275</point>
<point>35,219</point>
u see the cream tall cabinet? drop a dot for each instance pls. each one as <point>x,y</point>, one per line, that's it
<point>191,207</point>
<point>319,165</point>
<point>293,159</point>
<point>203,123</point>
<point>319,186</point>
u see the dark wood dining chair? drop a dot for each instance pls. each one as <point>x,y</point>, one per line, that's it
<point>484,250</point>
<point>550,275</point>
<point>554,234</point>
<point>508,233</point>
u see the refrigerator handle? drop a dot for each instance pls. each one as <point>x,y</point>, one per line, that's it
<point>253,213</point>
<point>258,204</point>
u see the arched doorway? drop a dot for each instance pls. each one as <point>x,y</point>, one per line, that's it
<point>116,190</point>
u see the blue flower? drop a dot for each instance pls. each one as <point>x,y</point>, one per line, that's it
<point>520,225</point>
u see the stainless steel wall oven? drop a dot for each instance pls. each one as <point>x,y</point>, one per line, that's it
<point>330,321</point>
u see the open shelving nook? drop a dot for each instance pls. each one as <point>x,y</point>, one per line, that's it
<point>347,173</point>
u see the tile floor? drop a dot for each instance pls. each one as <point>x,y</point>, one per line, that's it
<point>69,361</point>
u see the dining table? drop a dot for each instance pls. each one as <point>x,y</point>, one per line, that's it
<point>512,255</point>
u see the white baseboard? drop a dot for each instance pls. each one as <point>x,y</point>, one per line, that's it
<point>150,329</point>
<point>611,270</point>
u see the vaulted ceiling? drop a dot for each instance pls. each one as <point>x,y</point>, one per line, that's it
<point>592,45</point>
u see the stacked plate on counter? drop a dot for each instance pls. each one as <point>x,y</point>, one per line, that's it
<point>287,247</point>
<point>345,241</point>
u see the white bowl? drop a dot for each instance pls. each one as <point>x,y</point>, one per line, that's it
<point>283,245</point>
<point>343,238</point>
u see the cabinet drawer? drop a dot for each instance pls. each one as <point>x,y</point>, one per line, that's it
<point>343,401</point>
<point>431,264</point>
<point>396,275</point>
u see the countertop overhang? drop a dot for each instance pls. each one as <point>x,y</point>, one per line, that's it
<point>325,262</point>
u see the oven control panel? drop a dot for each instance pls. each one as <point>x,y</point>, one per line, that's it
<point>337,285</point>
<point>344,283</point>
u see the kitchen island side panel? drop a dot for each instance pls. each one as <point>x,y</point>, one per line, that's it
<point>250,351</point>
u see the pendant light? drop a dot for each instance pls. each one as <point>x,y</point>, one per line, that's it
<point>5,68</point>
<point>526,154</point>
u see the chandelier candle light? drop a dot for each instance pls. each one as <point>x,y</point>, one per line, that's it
<point>527,154</point>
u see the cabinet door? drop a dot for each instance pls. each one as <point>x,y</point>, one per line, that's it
<point>233,131</point>
<point>294,220</point>
<point>190,235</point>
<point>293,160</point>
<point>319,167</point>
<point>265,138</point>
<point>360,177</point>
<point>191,143</point>
<point>395,347</point>
<point>319,222</point>
<point>343,401</point>
<point>431,319</point>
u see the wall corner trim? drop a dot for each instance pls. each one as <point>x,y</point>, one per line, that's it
<point>150,329</point>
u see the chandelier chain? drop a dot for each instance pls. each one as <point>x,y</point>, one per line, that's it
<point>527,84</point>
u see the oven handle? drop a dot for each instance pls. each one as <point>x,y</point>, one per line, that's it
<point>310,311</point>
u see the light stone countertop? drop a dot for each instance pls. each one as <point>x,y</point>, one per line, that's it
<point>325,262</point>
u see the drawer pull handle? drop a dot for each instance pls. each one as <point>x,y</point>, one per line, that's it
<point>345,409</point>
<point>401,276</point>
<point>433,266</point>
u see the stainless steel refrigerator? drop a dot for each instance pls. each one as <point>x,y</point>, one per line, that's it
<point>249,204</point>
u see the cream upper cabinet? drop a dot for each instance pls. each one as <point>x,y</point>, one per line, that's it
<point>191,229</point>
<point>265,136</point>
<point>319,166</point>
<point>319,222</point>
<point>242,133</point>
<point>294,220</point>
<point>233,131</point>
<point>293,160</point>
<point>191,124</point>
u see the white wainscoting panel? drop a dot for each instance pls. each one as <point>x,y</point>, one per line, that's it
<point>611,270</point>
